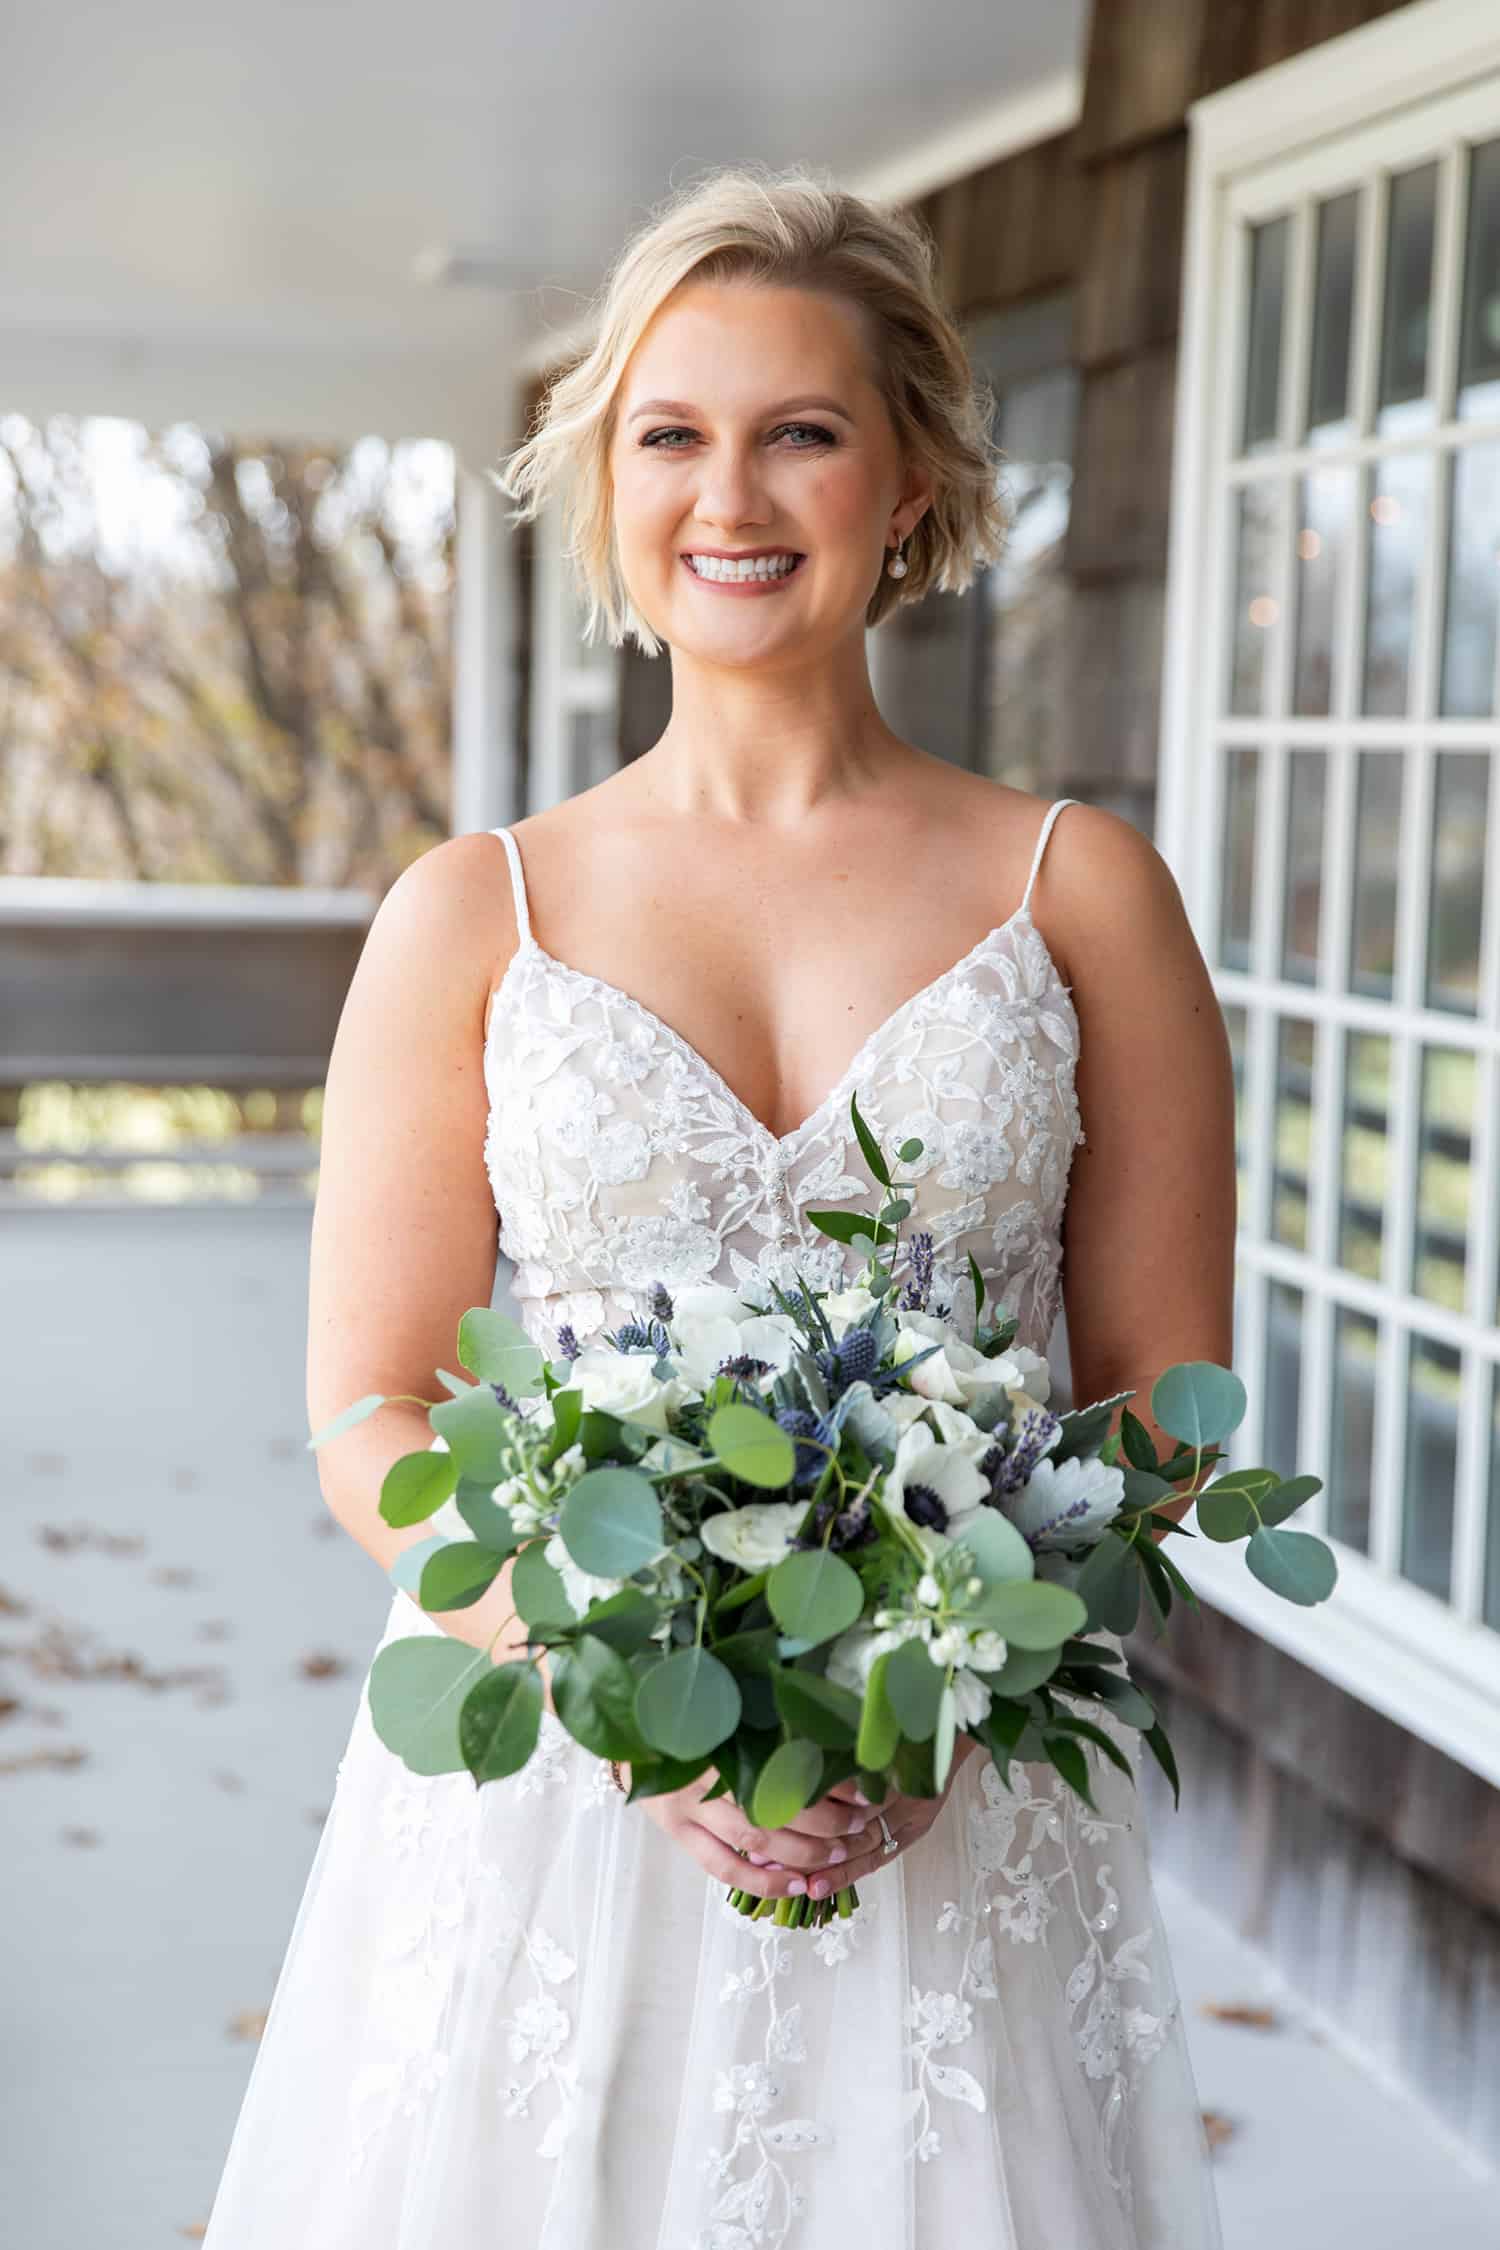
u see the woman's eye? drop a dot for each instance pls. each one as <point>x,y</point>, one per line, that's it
<point>812,435</point>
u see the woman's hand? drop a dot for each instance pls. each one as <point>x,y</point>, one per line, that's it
<point>836,1841</point>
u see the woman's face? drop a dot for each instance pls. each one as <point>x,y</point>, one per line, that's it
<point>748,425</point>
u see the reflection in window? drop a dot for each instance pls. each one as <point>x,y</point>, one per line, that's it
<point>1355,1357</point>
<point>1364,1155</point>
<point>1431,1459</point>
<point>1255,606</point>
<point>1268,247</point>
<point>1460,817</point>
<point>1473,583</point>
<point>1325,509</point>
<point>1479,347</point>
<point>1333,309</point>
<point>1237,868</point>
<point>1445,1180</point>
<point>1296,1046</point>
<point>1406,326</point>
<point>1302,914</point>
<point>1283,1374</point>
<point>1398,529</point>
<point>1235,1022</point>
<point>1377,856</point>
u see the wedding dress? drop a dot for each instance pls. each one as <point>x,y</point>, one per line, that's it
<point>521,2017</point>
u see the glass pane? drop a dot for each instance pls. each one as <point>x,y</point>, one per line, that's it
<point>1355,1353</point>
<point>1283,1375</point>
<point>1296,1043</point>
<point>592,737</point>
<point>1377,845</point>
<point>1236,1022</point>
<point>1445,1178</point>
<point>1364,1155</point>
<point>1302,916</point>
<point>1237,868</point>
<point>1479,346</point>
<point>1459,820</point>
<point>1325,510</point>
<point>1333,306</point>
<point>1268,247</point>
<point>1431,1456</point>
<point>1398,530</point>
<point>1408,301</point>
<point>1254,603</point>
<point>1468,690</point>
<point>1492,1547</point>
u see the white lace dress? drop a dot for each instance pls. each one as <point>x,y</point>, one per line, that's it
<point>521,2018</point>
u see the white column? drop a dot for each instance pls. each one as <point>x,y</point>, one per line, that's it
<point>486,630</point>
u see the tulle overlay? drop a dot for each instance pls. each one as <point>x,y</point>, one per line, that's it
<point>522,2018</point>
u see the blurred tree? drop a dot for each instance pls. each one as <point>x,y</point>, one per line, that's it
<point>222,662</point>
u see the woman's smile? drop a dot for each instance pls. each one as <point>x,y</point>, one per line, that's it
<point>763,571</point>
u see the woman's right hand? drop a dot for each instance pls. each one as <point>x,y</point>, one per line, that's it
<point>809,1854</point>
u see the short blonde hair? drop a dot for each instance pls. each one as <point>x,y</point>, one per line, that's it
<point>793,229</point>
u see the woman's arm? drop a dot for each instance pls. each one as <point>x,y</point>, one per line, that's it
<point>404,1228</point>
<point>1149,1230</point>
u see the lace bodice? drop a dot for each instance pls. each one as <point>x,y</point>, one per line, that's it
<point>619,1156</point>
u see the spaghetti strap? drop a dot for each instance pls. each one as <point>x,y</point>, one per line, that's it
<point>1041,846</point>
<point>517,882</point>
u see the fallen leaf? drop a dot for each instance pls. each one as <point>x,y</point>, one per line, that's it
<point>233,1782</point>
<point>320,1664</point>
<point>216,1629</point>
<point>195,2230</point>
<point>249,2023</point>
<point>174,1574</point>
<point>63,1538</point>
<point>1218,2128</point>
<point>84,1836</point>
<point>317,1817</point>
<point>1232,2011</point>
<point>11,1606</point>
<point>73,1755</point>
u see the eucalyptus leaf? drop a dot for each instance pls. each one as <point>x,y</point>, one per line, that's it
<point>788,1781</point>
<point>1285,1499</point>
<point>1036,1614</point>
<point>752,1446</point>
<point>688,1703</point>
<point>1023,1669</point>
<point>459,1575</point>
<point>416,1486</point>
<point>537,1589</point>
<point>497,1349</point>
<point>593,1693</point>
<point>623,1620</point>
<point>1198,1402</point>
<point>489,1522</point>
<point>500,1721</point>
<point>406,1571</point>
<point>1224,1516</point>
<point>611,1522</point>
<point>816,1707</point>
<point>1110,1584</point>
<point>417,1687</point>
<point>1294,1564</point>
<point>914,1685</point>
<point>476,1429</point>
<point>1001,1555</point>
<point>814,1594</point>
<point>879,1728</point>
<point>360,1411</point>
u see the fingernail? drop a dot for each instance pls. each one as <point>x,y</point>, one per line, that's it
<point>797,1885</point>
<point>820,1888</point>
<point>860,1798</point>
<point>856,1824</point>
<point>837,1853</point>
<point>757,1859</point>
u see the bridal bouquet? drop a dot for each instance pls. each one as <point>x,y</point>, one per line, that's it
<point>805,1538</point>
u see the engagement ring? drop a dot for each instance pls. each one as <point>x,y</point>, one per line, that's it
<point>891,1844</point>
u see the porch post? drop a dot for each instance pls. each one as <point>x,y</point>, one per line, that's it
<point>487,631</point>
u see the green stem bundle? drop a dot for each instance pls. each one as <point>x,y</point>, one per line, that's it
<point>800,1913</point>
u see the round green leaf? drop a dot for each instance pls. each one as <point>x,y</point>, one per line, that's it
<point>1224,1516</point>
<point>417,1686</point>
<point>1037,1614</point>
<point>1294,1564</point>
<point>497,1349</point>
<point>915,1687</point>
<point>593,1693</point>
<point>752,1446</point>
<point>416,1486</point>
<point>1198,1401</point>
<point>1110,1583</point>
<point>458,1574</point>
<point>1284,1499</point>
<point>687,1704</point>
<point>814,1595</point>
<point>1023,1670</point>
<point>819,1708</point>
<point>490,1523</point>
<point>1000,1553</point>
<point>879,1728</point>
<point>537,1589</point>
<point>500,1721</point>
<point>624,1619</point>
<point>787,1782</point>
<point>611,1522</point>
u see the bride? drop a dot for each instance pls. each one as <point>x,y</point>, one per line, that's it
<point>522,2017</point>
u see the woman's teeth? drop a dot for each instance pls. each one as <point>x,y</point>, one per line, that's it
<point>759,566</point>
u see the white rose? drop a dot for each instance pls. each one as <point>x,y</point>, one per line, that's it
<point>755,1537</point>
<point>957,1373</point>
<point>622,1383</point>
<point>843,1307</point>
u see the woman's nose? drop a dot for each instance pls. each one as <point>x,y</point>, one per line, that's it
<point>730,492</point>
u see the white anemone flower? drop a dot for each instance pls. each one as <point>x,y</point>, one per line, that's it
<point>622,1383</point>
<point>1066,1503</point>
<point>949,1471</point>
<point>707,1337</point>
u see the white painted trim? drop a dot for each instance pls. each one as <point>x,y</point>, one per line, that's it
<point>66,902</point>
<point>1038,113</point>
<point>1371,1639</point>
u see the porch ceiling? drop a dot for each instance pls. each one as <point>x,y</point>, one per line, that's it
<point>217,212</point>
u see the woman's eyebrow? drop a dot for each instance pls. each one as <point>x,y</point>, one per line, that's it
<point>785,406</point>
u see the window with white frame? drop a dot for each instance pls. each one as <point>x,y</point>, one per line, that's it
<point>575,684</point>
<point>1331,803</point>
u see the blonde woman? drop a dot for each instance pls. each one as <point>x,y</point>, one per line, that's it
<point>522,2018</point>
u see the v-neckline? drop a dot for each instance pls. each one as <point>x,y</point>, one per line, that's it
<point>778,1143</point>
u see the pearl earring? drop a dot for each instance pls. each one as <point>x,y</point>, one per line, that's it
<point>896,567</point>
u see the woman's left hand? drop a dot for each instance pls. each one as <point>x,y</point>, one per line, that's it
<point>908,1819</point>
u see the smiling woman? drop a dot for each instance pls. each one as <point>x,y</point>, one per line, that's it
<point>525,2013</point>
